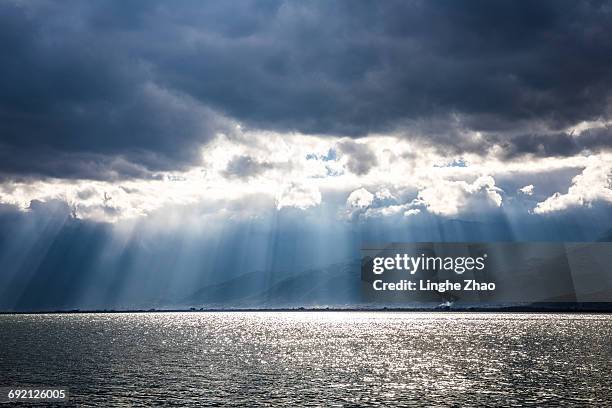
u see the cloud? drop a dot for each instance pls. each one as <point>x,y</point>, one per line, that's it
<point>361,158</point>
<point>595,139</point>
<point>527,190</point>
<point>413,211</point>
<point>361,204</point>
<point>245,167</point>
<point>360,198</point>
<point>301,196</point>
<point>148,85</point>
<point>403,61</point>
<point>450,197</point>
<point>384,194</point>
<point>593,185</point>
<point>406,177</point>
<point>76,101</point>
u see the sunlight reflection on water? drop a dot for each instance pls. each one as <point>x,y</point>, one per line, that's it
<point>318,358</point>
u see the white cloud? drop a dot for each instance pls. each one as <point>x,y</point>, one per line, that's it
<point>384,194</point>
<point>298,196</point>
<point>301,171</point>
<point>593,185</point>
<point>451,197</point>
<point>363,204</point>
<point>360,198</point>
<point>527,190</point>
<point>413,211</point>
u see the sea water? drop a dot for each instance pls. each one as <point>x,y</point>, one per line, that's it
<point>312,358</point>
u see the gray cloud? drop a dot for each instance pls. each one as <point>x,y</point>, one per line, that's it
<point>361,158</point>
<point>555,144</point>
<point>148,82</point>
<point>355,67</point>
<point>245,167</point>
<point>76,101</point>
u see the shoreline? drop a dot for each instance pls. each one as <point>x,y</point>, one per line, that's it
<point>533,309</point>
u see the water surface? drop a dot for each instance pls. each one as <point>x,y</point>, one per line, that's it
<point>312,358</point>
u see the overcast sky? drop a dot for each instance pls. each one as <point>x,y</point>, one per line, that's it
<point>124,113</point>
<point>132,93</point>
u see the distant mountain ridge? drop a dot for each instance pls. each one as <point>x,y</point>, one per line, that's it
<point>336,284</point>
<point>539,273</point>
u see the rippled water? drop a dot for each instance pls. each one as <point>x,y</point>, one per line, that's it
<point>303,358</point>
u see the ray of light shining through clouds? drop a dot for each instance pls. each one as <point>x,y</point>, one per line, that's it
<point>153,154</point>
<point>288,203</point>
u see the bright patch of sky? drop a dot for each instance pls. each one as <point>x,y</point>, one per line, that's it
<point>377,175</point>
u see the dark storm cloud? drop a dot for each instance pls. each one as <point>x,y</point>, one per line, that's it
<point>144,81</point>
<point>356,67</point>
<point>79,101</point>
<point>556,144</point>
